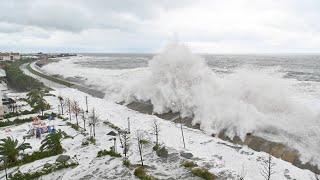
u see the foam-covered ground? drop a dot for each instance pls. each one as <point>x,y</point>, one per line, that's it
<point>221,158</point>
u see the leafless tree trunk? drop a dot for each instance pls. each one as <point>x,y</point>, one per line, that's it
<point>140,145</point>
<point>87,110</point>
<point>128,125</point>
<point>125,140</point>
<point>94,119</point>
<point>69,108</point>
<point>83,119</point>
<point>181,127</point>
<point>156,130</point>
<point>76,110</point>
<point>62,104</point>
<point>267,169</point>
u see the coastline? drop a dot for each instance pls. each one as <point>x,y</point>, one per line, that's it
<point>256,143</point>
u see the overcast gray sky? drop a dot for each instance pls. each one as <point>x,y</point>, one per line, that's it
<point>206,26</point>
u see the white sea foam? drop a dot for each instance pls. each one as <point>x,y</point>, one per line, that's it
<point>247,100</point>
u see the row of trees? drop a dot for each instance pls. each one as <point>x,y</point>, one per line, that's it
<point>72,107</point>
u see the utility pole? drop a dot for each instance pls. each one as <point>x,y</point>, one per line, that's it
<point>128,125</point>
<point>87,104</point>
<point>184,144</point>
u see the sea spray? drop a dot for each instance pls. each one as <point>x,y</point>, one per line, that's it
<point>245,101</point>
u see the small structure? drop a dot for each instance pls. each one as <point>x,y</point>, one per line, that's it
<point>9,56</point>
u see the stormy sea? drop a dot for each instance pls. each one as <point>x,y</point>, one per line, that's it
<point>276,96</point>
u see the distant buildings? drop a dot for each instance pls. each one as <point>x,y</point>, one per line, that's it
<point>9,56</point>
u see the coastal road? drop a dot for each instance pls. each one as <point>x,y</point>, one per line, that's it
<point>46,82</point>
<point>58,83</point>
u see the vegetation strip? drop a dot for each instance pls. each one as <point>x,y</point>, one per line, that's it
<point>39,173</point>
<point>17,79</point>
<point>56,80</point>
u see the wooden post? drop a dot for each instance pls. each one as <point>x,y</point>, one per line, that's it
<point>87,104</point>
<point>128,125</point>
<point>184,144</point>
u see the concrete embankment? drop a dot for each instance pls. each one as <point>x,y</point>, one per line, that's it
<point>256,143</point>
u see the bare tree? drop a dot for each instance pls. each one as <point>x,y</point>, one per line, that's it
<point>128,125</point>
<point>181,127</point>
<point>68,102</point>
<point>267,169</point>
<point>83,117</point>
<point>93,122</point>
<point>156,130</point>
<point>62,104</point>
<point>124,137</point>
<point>141,142</point>
<point>87,110</point>
<point>76,110</point>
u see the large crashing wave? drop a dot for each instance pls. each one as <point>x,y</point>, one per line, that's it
<point>247,100</point>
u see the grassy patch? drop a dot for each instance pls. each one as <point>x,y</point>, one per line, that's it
<point>28,158</point>
<point>189,164</point>
<point>203,173</point>
<point>141,173</point>
<point>162,152</point>
<point>111,125</point>
<point>39,173</point>
<point>17,79</point>
<point>126,162</point>
<point>156,147</point>
<point>14,114</point>
<point>73,126</point>
<point>110,153</point>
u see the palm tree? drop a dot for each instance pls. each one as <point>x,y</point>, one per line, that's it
<point>62,104</point>
<point>52,143</point>
<point>42,105</point>
<point>9,149</point>
<point>34,95</point>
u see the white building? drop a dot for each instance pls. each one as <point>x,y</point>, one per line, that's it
<point>9,56</point>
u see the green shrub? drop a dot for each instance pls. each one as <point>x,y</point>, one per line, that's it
<point>189,164</point>
<point>156,147</point>
<point>111,125</point>
<point>28,158</point>
<point>15,122</point>
<point>73,126</point>
<point>203,173</point>
<point>141,173</point>
<point>14,114</point>
<point>162,152</point>
<point>126,162</point>
<point>144,141</point>
<point>39,173</point>
<point>110,153</point>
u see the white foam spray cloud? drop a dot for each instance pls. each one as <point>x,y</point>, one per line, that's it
<point>247,100</point>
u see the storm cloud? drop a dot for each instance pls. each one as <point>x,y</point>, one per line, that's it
<point>232,26</point>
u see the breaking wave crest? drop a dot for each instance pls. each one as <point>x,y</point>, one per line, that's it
<point>248,100</point>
